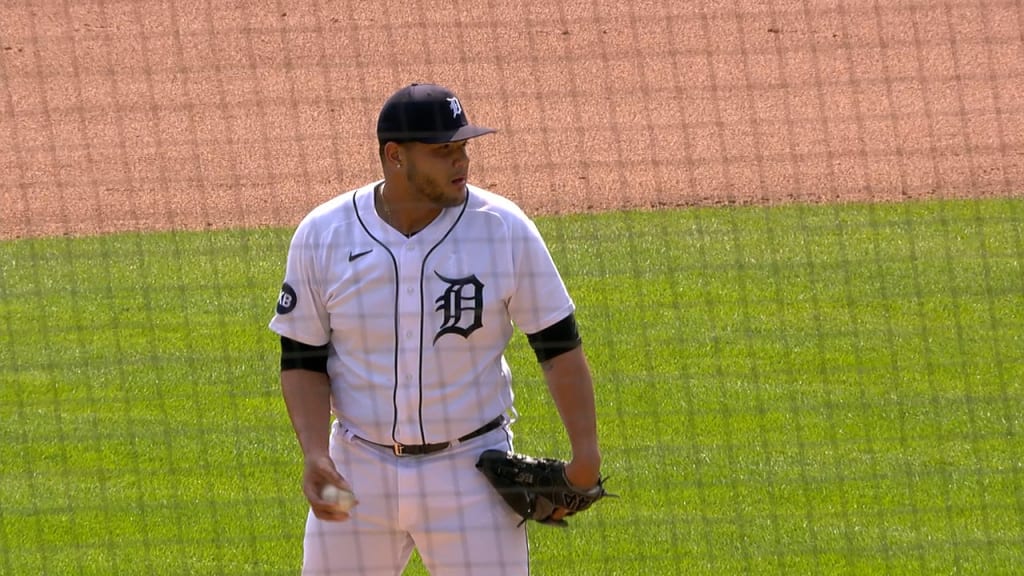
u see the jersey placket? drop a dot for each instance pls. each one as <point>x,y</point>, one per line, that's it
<point>410,310</point>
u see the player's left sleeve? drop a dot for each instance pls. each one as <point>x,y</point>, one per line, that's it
<point>540,298</point>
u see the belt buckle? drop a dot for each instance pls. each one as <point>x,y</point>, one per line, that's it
<point>398,449</point>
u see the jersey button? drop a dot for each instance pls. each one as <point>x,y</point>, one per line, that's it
<point>409,290</point>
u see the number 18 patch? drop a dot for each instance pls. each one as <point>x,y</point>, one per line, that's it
<point>287,300</point>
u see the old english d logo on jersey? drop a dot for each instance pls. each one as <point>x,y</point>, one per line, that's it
<point>462,305</point>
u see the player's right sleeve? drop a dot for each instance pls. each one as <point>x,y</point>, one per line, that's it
<point>301,314</point>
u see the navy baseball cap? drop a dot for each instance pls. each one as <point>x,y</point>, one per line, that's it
<point>425,113</point>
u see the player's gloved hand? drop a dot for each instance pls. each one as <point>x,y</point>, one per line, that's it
<point>318,472</point>
<point>535,488</point>
<point>583,472</point>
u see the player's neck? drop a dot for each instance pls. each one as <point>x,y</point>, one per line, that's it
<point>406,217</point>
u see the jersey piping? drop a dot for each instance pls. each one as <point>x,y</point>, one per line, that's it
<point>394,363</point>
<point>398,291</point>
<point>423,267</point>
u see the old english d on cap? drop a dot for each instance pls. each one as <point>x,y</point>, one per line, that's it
<point>425,113</point>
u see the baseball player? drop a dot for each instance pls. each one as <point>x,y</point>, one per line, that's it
<point>398,302</point>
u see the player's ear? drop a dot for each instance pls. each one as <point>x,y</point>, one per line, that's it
<point>393,154</point>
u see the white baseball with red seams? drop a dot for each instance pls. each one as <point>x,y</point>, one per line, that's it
<point>342,499</point>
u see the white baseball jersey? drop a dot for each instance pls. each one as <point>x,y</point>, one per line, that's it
<point>418,325</point>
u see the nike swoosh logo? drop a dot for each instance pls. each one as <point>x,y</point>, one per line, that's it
<point>356,255</point>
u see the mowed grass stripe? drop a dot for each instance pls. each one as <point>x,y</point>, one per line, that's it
<point>782,390</point>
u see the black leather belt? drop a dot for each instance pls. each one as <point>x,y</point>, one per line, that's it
<point>421,449</point>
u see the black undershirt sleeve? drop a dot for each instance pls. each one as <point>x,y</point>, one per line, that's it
<point>557,339</point>
<point>298,356</point>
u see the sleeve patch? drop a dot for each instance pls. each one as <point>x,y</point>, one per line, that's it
<point>287,300</point>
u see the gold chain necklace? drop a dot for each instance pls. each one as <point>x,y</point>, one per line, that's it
<point>387,212</point>
<point>384,205</point>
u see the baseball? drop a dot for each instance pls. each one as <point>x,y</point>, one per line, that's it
<point>342,499</point>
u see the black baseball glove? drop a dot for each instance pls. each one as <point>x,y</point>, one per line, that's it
<point>536,487</point>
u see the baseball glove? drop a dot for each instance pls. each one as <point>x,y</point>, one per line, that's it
<point>536,487</point>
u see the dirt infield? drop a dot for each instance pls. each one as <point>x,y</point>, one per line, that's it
<point>189,114</point>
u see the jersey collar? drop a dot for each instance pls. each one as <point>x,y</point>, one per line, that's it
<point>384,233</point>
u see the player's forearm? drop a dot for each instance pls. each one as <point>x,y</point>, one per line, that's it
<point>307,394</point>
<point>572,389</point>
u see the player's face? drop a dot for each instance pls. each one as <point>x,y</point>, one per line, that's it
<point>438,172</point>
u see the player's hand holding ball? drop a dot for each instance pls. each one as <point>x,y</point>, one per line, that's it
<point>330,495</point>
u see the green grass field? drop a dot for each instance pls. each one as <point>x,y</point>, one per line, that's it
<point>790,390</point>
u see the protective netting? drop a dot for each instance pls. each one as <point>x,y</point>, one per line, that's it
<point>807,340</point>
